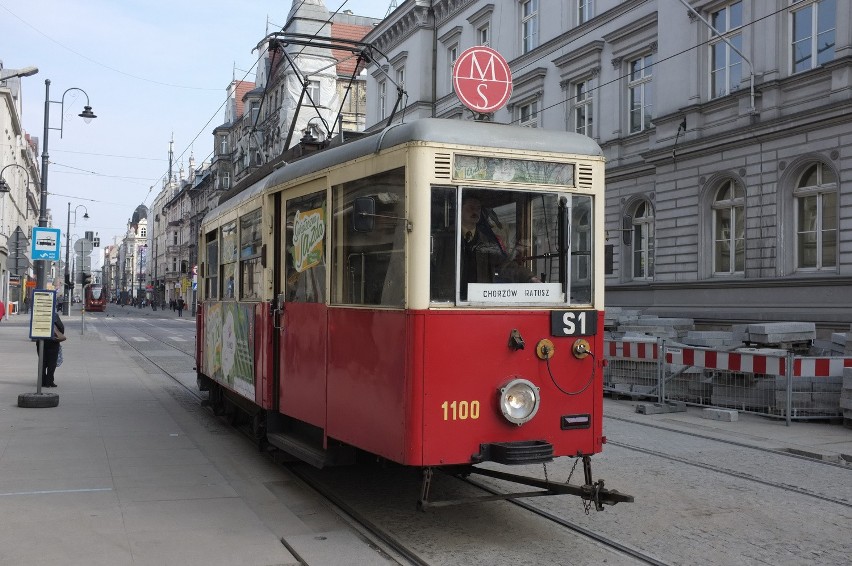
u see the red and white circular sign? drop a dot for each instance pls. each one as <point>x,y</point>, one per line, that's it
<point>482,79</point>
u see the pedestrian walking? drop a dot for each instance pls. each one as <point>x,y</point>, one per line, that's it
<point>180,305</point>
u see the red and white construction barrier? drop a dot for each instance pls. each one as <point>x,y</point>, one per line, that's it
<point>757,363</point>
<point>644,351</point>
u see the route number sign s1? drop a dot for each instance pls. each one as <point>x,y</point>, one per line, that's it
<point>482,79</point>
<point>573,323</point>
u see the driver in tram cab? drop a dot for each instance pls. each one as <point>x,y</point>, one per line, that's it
<point>484,258</point>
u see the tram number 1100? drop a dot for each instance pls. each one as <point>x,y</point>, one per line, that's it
<point>460,410</point>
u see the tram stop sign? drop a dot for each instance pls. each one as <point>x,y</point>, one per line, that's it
<point>482,79</point>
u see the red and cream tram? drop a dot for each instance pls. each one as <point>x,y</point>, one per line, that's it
<point>431,294</point>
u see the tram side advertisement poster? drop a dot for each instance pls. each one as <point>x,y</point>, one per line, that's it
<point>229,345</point>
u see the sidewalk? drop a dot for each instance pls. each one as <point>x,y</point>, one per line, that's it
<point>129,470</point>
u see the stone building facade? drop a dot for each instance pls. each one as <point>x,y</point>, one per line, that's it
<point>19,193</point>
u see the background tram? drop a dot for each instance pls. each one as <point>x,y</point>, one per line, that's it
<point>95,298</point>
<point>432,295</point>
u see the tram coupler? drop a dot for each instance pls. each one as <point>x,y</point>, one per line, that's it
<point>593,491</point>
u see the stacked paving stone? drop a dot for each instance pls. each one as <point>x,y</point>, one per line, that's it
<point>841,344</point>
<point>795,336</point>
<point>716,339</point>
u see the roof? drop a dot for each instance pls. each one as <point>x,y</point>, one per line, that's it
<point>435,130</point>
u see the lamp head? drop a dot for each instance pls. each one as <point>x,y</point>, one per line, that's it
<point>85,216</point>
<point>87,115</point>
<point>4,186</point>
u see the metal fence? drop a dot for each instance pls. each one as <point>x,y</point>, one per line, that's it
<point>774,383</point>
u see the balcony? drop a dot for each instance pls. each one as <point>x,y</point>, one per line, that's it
<point>175,249</point>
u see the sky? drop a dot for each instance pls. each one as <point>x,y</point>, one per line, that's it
<point>153,70</point>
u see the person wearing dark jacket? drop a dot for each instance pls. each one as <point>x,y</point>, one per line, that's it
<point>51,355</point>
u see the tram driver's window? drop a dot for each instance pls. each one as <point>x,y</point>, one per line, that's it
<point>368,264</point>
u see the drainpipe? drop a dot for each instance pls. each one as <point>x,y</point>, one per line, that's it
<point>752,110</point>
<point>434,57</point>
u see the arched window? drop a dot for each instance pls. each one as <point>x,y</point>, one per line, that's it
<point>729,229</point>
<point>643,241</point>
<point>816,218</point>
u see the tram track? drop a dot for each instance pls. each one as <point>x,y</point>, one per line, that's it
<point>732,473</point>
<point>604,540</point>
<point>730,442</point>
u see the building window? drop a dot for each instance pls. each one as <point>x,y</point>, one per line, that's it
<point>174,238</point>
<point>640,93</point>
<point>529,25</point>
<point>400,77</point>
<point>813,33</point>
<point>223,144</point>
<point>383,88</point>
<point>643,241</point>
<point>582,108</point>
<point>483,35</point>
<point>816,218</point>
<point>729,229</point>
<point>452,55</point>
<point>585,10</point>
<point>314,92</point>
<point>528,114</point>
<point>224,180</point>
<point>726,65</point>
<point>143,232</point>
<point>254,111</point>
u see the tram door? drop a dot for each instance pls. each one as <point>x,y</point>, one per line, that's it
<point>302,325</point>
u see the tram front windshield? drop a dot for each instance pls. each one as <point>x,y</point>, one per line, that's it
<point>502,247</point>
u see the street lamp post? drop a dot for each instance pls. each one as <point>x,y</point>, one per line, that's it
<point>66,308</point>
<point>87,116</point>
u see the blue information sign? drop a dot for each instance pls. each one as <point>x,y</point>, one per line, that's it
<point>45,244</point>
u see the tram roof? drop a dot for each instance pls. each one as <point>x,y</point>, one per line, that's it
<point>434,130</point>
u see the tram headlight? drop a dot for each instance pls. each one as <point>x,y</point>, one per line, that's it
<point>519,401</point>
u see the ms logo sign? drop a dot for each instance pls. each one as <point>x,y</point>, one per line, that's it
<point>482,79</point>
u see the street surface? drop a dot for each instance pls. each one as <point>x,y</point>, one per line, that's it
<point>699,499</point>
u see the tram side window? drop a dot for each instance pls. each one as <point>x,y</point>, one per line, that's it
<point>368,264</point>
<point>228,259</point>
<point>251,270</point>
<point>305,243</point>
<point>443,246</point>
<point>211,271</point>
